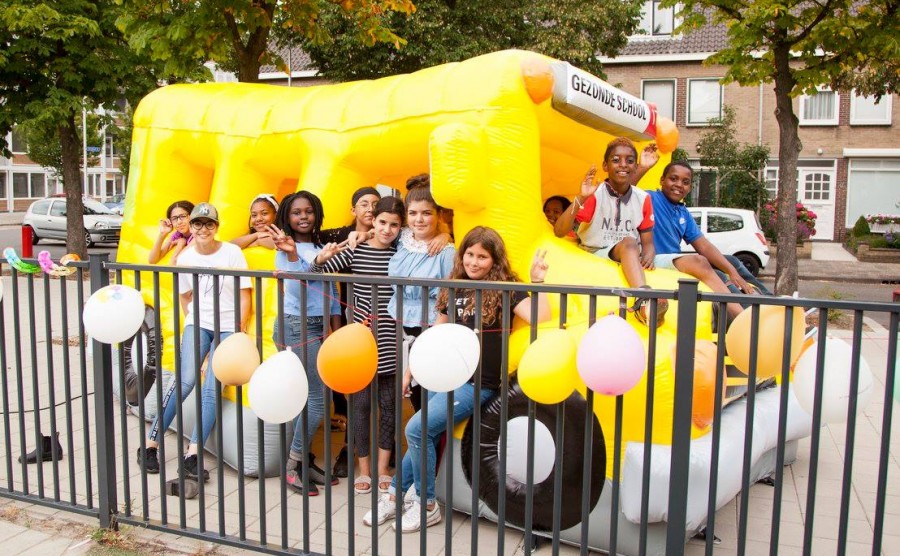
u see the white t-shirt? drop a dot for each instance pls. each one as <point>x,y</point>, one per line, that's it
<point>228,256</point>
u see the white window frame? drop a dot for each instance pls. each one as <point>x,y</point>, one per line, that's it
<point>829,122</point>
<point>643,33</point>
<point>674,83</point>
<point>687,108</point>
<point>886,120</point>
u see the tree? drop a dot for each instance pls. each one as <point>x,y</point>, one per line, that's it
<point>442,31</point>
<point>738,166</point>
<point>236,33</point>
<point>42,141</point>
<point>57,58</point>
<point>798,46</point>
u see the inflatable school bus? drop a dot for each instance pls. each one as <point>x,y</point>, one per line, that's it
<point>498,133</point>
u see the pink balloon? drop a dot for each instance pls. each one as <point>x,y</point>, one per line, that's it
<point>611,358</point>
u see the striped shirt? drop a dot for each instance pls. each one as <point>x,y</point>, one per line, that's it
<point>369,261</point>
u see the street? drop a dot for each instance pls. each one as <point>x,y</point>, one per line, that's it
<point>11,236</point>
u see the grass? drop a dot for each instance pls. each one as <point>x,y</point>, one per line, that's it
<point>874,241</point>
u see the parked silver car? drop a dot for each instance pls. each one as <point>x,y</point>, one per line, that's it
<point>47,220</point>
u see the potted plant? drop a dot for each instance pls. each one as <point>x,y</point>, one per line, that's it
<point>806,225</point>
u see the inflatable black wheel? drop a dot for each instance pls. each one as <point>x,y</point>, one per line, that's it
<point>151,356</point>
<point>571,467</point>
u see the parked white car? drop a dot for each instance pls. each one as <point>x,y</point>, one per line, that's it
<point>47,220</point>
<point>734,232</point>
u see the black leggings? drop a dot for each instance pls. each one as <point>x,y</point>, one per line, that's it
<point>362,412</point>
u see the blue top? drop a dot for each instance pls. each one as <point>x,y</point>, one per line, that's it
<point>307,253</point>
<point>412,261</point>
<point>673,223</point>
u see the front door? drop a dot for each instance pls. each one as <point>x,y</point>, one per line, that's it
<point>816,191</point>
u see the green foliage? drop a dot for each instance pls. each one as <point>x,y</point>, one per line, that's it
<point>442,31</point>
<point>680,155</point>
<point>738,166</point>
<point>861,228</point>
<point>236,33</point>
<point>874,241</point>
<point>42,138</point>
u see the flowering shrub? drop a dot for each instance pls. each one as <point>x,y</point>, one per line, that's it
<point>883,219</point>
<point>806,220</point>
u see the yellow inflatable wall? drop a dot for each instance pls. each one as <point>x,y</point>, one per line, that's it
<point>499,133</point>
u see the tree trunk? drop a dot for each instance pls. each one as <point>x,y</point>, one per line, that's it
<point>68,141</point>
<point>788,150</point>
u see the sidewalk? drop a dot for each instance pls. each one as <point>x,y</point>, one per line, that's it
<point>11,218</point>
<point>830,261</point>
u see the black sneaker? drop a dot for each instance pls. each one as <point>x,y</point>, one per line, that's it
<point>294,479</point>
<point>189,467</point>
<point>316,473</point>
<point>148,461</point>
<point>341,465</point>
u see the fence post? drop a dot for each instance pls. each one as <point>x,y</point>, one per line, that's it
<point>681,419</point>
<point>103,408</point>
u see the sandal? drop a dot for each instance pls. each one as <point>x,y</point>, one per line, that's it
<point>384,482</point>
<point>362,484</point>
<point>641,309</point>
<point>338,423</point>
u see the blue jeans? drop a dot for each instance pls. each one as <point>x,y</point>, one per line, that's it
<point>744,273</point>
<point>189,368</point>
<point>315,404</point>
<point>463,407</point>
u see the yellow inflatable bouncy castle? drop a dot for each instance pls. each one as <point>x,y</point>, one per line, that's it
<point>498,133</point>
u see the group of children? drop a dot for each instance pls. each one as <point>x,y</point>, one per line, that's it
<point>639,230</point>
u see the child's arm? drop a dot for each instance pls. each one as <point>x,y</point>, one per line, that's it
<point>566,220</point>
<point>186,298</point>
<point>649,158</point>
<point>283,242</point>
<point>332,258</point>
<point>538,273</point>
<point>245,240</point>
<point>245,308</point>
<point>715,258</point>
<point>161,245</point>
<point>648,250</point>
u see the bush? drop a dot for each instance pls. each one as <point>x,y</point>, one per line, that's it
<point>806,220</point>
<point>861,228</point>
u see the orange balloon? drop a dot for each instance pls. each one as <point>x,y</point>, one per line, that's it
<point>666,135</point>
<point>236,359</point>
<point>348,359</point>
<point>704,403</point>
<point>771,340</point>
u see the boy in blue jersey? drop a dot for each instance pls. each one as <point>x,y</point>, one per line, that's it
<point>674,223</point>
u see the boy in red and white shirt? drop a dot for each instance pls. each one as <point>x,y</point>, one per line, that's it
<point>617,219</point>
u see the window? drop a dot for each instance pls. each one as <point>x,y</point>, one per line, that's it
<point>59,209</point>
<point>109,151</point>
<point>20,185</point>
<point>656,21</point>
<point>819,109</point>
<point>3,178</point>
<point>704,101</point>
<point>817,186</point>
<point>865,111</point>
<point>40,207</point>
<point>38,185</point>
<point>717,222</point>
<point>662,94</point>
<point>17,142</point>
<point>772,182</point>
<point>29,185</point>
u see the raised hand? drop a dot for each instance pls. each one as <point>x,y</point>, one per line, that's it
<point>539,266</point>
<point>588,184</point>
<point>282,241</point>
<point>165,226</point>
<point>328,251</point>
<point>649,156</point>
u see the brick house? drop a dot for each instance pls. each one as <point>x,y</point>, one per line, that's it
<point>850,162</point>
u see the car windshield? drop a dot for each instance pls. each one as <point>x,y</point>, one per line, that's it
<point>94,207</point>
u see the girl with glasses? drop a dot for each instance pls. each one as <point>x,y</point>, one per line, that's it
<point>174,232</point>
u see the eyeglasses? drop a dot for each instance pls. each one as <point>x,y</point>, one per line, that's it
<point>208,224</point>
<point>178,218</point>
<point>366,205</point>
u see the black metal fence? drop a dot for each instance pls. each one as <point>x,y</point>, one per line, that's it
<point>54,380</point>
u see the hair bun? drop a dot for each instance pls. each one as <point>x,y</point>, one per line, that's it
<point>421,180</point>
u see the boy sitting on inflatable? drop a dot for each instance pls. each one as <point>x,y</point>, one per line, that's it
<point>674,223</point>
<point>617,221</point>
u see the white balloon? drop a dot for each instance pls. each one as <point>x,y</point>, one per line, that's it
<point>113,314</point>
<point>835,381</point>
<point>517,451</point>
<point>278,389</point>
<point>444,357</point>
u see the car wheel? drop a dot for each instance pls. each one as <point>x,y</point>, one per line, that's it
<point>750,261</point>
<point>88,242</point>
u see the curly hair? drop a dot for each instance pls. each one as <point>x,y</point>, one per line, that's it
<point>283,216</point>
<point>492,300</point>
<point>619,142</point>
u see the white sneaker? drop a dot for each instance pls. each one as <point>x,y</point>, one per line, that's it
<point>385,510</point>
<point>411,523</point>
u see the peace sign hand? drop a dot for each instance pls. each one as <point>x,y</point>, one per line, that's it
<point>282,241</point>
<point>539,266</point>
